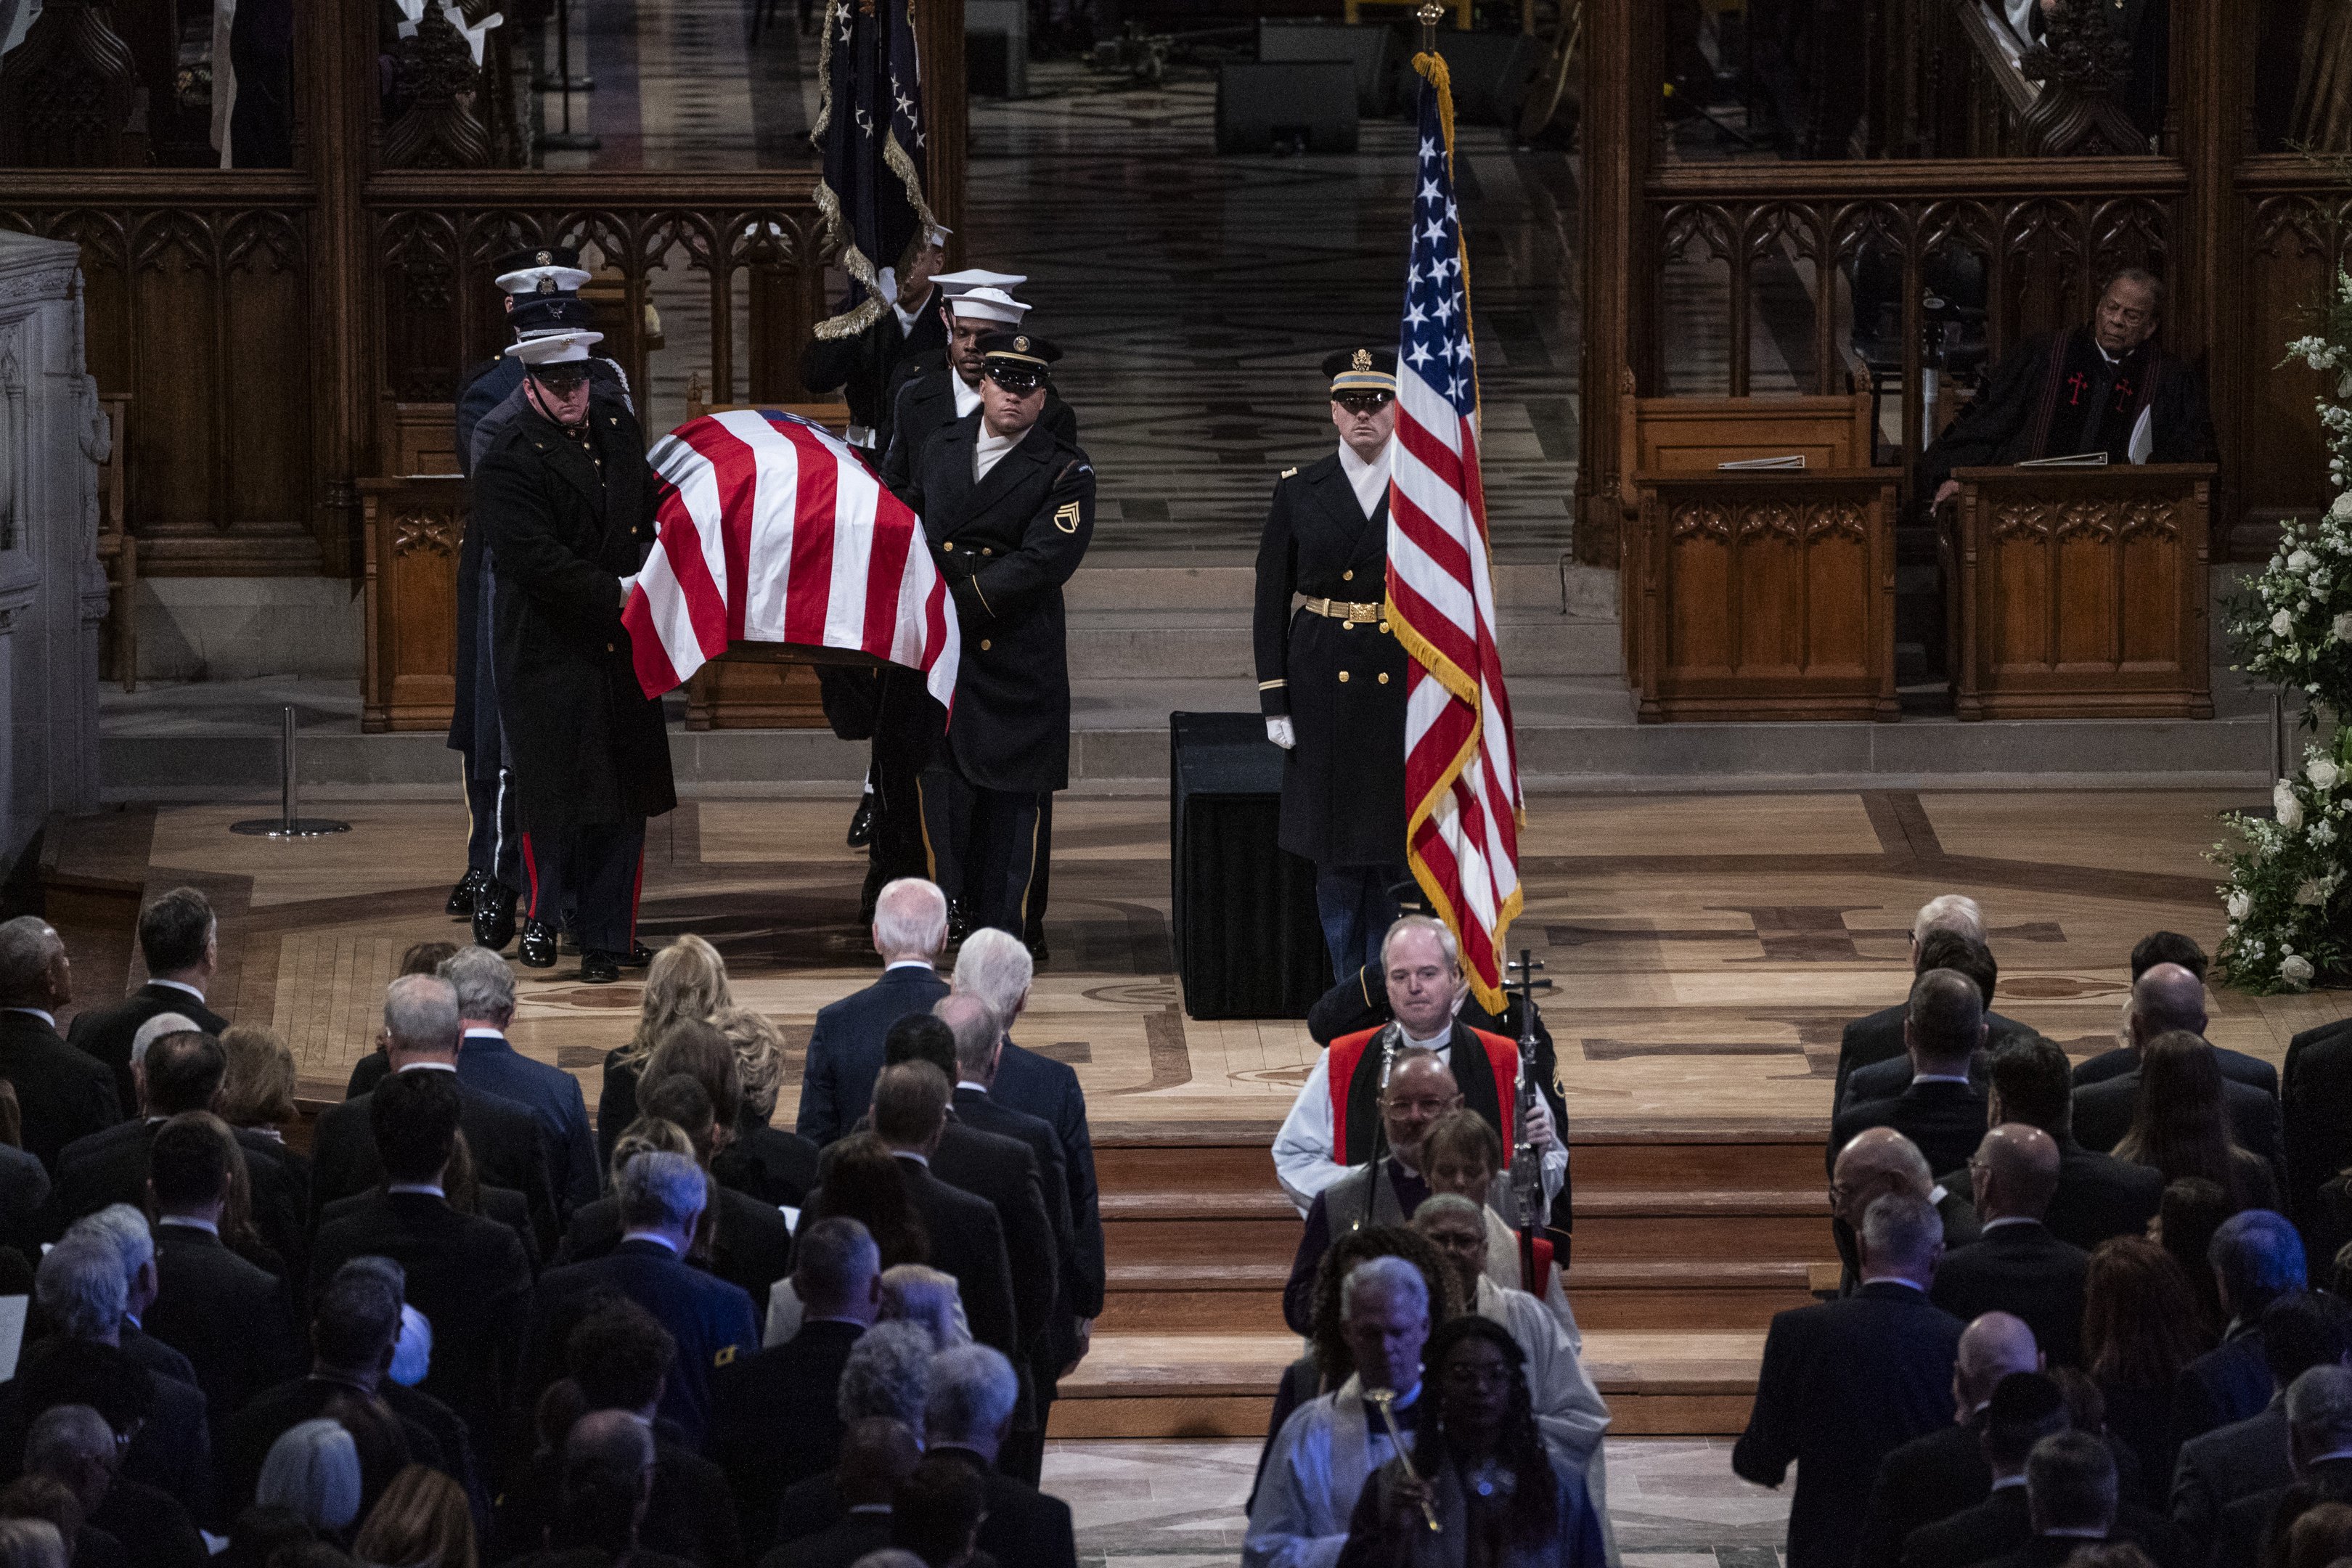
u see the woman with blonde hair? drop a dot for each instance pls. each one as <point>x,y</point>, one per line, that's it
<point>687,980</point>
<point>917,1293</point>
<point>257,1092</point>
<point>767,1162</point>
<point>421,1521</point>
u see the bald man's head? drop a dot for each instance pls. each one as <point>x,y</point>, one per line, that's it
<point>2015,1172</point>
<point>1421,1088</point>
<point>2167,997</point>
<point>1873,1164</point>
<point>1991,1348</point>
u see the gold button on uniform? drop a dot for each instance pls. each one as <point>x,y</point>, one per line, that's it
<point>985,550</point>
<point>983,645</point>
<point>608,647</point>
<point>949,547</point>
<point>1384,627</point>
<point>1384,678</point>
<point>1349,576</point>
<point>1343,677</point>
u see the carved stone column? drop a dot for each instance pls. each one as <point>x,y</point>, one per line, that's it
<point>52,591</point>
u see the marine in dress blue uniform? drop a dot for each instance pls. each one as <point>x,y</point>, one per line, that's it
<point>1330,673</point>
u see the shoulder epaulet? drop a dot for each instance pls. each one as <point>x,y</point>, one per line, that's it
<point>1287,473</point>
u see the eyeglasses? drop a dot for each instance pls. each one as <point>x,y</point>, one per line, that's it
<point>1362,402</point>
<point>561,379</point>
<point>1017,379</point>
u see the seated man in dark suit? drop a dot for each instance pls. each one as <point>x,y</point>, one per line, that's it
<point>966,1419</point>
<point>619,1357</point>
<point>487,1061</point>
<point>2256,1257</point>
<point>774,1419</point>
<point>2015,1265</point>
<point>2316,1101</point>
<point>2073,1500</point>
<point>2164,999</point>
<point>2098,1196</point>
<point>465,1273</point>
<point>230,1319</point>
<point>662,1198</point>
<point>62,1094</point>
<point>1846,1383</point>
<point>1876,1161</point>
<point>1940,1111</point>
<point>1939,950</point>
<point>2300,1330</point>
<point>2319,1444</point>
<point>75,1445</point>
<point>1878,1037</point>
<point>180,940</point>
<point>1936,1475</point>
<point>844,1049</point>
<point>936,1514</point>
<point>997,968</point>
<point>876,1454</point>
<point>421,1034</point>
<point>2173,1002</point>
<point>2025,1407</point>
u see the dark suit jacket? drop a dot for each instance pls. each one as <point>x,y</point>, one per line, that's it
<point>754,1248</point>
<point>1885,1081</point>
<point>154,1529</point>
<point>761,1454</point>
<point>467,1274</point>
<point>502,1136</point>
<point>2222,1466</point>
<point>106,1032</point>
<point>64,1093</point>
<point>845,1050</point>
<point>1878,1037</point>
<point>2022,1270</point>
<point>768,1164</point>
<point>689,1514</point>
<point>1002,1170</point>
<point>2236,1066</point>
<point>2227,1383</point>
<point>2001,1527</point>
<point>2103,1113</point>
<point>232,1321</point>
<point>488,1063</point>
<point>503,1205</point>
<point>2249,1524</point>
<point>923,403</point>
<point>711,1320</point>
<point>1926,1479</point>
<point>1022,1525</point>
<point>838,1545</point>
<point>861,364</point>
<point>172,1452</point>
<point>246,1441</point>
<point>1844,1384</point>
<point>1041,1086</point>
<point>2098,1197</point>
<point>1946,1121</point>
<point>984,1112</point>
<point>110,1167</point>
<point>967,1241</point>
<point>2317,1106</point>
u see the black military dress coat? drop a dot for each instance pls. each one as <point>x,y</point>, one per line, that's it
<point>586,745</point>
<point>1006,546</point>
<point>923,403</point>
<point>1341,685</point>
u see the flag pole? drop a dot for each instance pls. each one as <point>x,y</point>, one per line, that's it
<point>1430,15</point>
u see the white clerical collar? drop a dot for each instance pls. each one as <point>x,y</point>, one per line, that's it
<point>43,1013</point>
<point>1440,1043</point>
<point>656,1237</point>
<point>967,398</point>
<point>1369,480</point>
<point>179,985</point>
<point>188,1222</point>
<point>427,1188</point>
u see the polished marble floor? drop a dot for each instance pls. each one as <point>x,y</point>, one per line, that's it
<point>1707,950</point>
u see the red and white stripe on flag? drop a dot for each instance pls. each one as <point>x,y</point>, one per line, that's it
<point>771,530</point>
<point>1461,769</point>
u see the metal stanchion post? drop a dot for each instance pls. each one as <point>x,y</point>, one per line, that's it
<point>290,822</point>
<point>562,82</point>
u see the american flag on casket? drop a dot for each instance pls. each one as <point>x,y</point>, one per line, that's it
<point>773,530</point>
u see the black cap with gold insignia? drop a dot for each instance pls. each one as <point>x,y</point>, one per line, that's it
<point>1016,361</point>
<point>1360,371</point>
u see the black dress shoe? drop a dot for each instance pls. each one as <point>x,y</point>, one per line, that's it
<point>1038,953</point>
<point>638,956</point>
<point>861,823</point>
<point>600,968</point>
<point>461,897</point>
<point>538,945</point>
<point>494,917</point>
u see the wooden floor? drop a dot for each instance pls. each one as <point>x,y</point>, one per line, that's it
<point>1708,949</point>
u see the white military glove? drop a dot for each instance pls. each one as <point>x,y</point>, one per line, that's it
<point>1278,730</point>
<point>627,585</point>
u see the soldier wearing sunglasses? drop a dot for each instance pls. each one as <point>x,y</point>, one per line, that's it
<point>1330,674</point>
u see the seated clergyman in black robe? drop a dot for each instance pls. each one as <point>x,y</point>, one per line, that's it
<point>2104,387</point>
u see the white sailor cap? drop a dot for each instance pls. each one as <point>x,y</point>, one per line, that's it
<point>973,278</point>
<point>556,348</point>
<point>988,305</point>
<point>551,269</point>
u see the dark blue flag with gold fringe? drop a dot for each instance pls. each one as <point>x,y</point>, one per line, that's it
<point>869,126</point>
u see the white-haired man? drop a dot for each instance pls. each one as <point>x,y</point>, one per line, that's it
<point>1334,1123</point>
<point>845,1050</point>
<point>995,966</point>
<point>1331,1445</point>
<point>1878,1037</point>
<point>967,1417</point>
<point>488,1062</point>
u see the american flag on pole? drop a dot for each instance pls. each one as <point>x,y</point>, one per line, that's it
<point>773,530</point>
<point>1461,768</point>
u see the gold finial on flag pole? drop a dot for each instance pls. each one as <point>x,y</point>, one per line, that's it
<point>1431,15</point>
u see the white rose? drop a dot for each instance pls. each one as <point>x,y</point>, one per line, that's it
<point>2240,905</point>
<point>2295,970</point>
<point>2342,510</point>
<point>2288,810</point>
<point>2301,561</point>
<point>2313,893</point>
<point>2342,627</point>
<point>2282,624</point>
<point>2323,773</point>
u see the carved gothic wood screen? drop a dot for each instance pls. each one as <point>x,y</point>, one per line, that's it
<point>1765,595</point>
<point>2081,593</point>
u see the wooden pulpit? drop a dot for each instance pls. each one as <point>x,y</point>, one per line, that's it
<point>414,522</point>
<point>1764,595</point>
<point>2080,593</point>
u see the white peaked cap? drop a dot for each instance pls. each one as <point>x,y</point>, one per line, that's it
<point>527,280</point>
<point>973,278</point>
<point>988,305</point>
<point>556,348</point>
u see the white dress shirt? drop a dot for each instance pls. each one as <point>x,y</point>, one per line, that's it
<point>967,398</point>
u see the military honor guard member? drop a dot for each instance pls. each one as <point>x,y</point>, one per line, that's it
<point>1330,675</point>
<point>565,502</point>
<point>540,292</point>
<point>861,364</point>
<point>1009,509</point>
